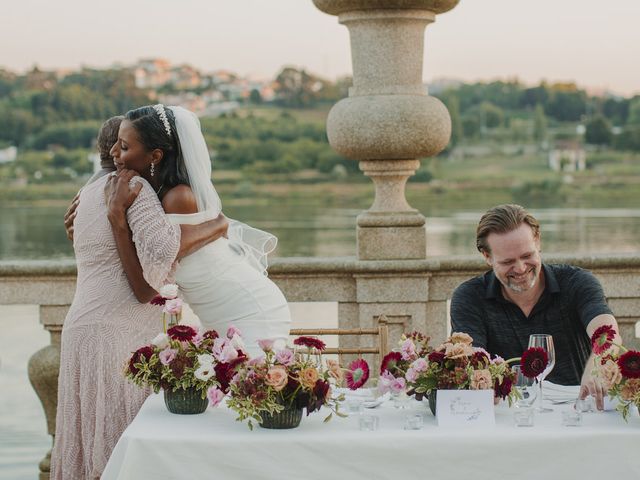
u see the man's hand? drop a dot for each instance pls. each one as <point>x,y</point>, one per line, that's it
<point>591,385</point>
<point>70,216</point>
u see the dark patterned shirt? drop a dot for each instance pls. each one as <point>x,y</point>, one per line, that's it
<point>571,299</point>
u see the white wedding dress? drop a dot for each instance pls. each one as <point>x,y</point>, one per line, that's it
<point>223,288</point>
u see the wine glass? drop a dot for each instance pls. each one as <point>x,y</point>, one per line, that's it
<point>526,387</point>
<point>546,343</point>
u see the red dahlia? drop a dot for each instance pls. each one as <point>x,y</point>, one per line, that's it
<point>310,342</point>
<point>357,374</point>
<point>390,362</point>
<point>182,333</point>
<point>629,363</point>
<point>143,353</point>
<point>602,339</point>
<point>533,361</point>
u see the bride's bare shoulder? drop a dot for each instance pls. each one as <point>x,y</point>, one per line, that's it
<point>180,199</point>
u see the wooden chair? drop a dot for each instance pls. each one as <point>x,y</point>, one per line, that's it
<point>382,332</point>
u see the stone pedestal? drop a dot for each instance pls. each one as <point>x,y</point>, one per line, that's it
<point>389,121</point>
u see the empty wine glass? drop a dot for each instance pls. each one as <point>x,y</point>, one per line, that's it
<point>526,387</point>
<point>544,342</point>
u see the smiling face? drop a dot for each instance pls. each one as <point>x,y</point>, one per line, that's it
<point>129,151</point>
<point>515,258</point>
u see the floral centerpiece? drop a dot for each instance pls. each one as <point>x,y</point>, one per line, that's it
<point>454,365</point>
<point>618,369</point>
<point>273,389</point>
<point>190,365</point>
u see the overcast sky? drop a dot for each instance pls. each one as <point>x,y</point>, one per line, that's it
<point>595,43</point>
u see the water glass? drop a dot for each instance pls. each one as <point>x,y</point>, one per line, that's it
<point>400,400</point>
<point>544,342</point>
<point>413,421</point>
<point>586,405</point>
<point>571,418</point>
<point>526,387</point>
<point>355,405</point>
<point>523,417</point>
<point>369,423</point>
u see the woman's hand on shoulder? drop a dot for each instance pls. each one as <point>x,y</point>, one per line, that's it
<point>119,195</point>
<point>180,199</point>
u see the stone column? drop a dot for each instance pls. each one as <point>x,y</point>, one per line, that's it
<point>44,366</point>
<point>388,121</point>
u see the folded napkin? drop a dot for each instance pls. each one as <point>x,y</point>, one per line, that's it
<point>559,393</point>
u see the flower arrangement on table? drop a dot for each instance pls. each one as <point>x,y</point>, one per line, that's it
<point>618,369</point>
<point>272,386</point>
<point>454,365</point>
<point>186,361</point>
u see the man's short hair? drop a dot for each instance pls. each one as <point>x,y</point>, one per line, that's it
<point>503,219</point>
<point>107,137</point>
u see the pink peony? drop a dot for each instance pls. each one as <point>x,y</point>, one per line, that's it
<point>285,357</point>
<point>231,331</point>
<point>167,355</point>
<point>215,396</point>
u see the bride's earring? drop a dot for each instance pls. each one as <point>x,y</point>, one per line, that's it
<point>153,169</point>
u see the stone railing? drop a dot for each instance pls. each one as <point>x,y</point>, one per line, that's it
<point>410,294</point>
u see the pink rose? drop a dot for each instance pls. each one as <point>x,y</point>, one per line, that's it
<point>277,377</point>
<point>610,374</point>
<point>411,375</point>
<point>231,331</point>
<point>215,396</point>
<point>167,355</point>
<point>398,385</point>
<point>173,306</point>
<point>285,357</point>
<point>481,380</point>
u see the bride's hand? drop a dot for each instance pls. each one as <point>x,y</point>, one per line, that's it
<point>119,195</point>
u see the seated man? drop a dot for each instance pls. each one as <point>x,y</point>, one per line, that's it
<point>521,296</point>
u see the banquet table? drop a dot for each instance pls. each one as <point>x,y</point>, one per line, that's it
<point>160,445</point>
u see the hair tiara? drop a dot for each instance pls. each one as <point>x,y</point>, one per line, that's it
<point>159,108</point>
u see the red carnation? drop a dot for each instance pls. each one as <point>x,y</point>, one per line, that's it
<point>436,357</point>
<point>629,363</point>
<point>390,362</point>
<point>602,339</point>
<point>358,374</point>
<point>533,361</point>
<point>182,333</point>
<point>310,342</point>
<point>143,353</point>
<point>158,300</point>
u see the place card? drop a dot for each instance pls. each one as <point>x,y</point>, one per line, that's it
<point>465,408</point>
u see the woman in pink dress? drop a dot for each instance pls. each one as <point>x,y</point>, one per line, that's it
<point>110,317</point>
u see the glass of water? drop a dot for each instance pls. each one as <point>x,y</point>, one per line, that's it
<point>526,387</point>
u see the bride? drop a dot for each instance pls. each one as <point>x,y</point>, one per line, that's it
<point>225,281</point>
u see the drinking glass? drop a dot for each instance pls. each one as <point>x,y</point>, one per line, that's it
<point>546,343</point>
<point>526,387</point>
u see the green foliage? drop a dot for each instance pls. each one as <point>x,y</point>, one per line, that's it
<point>69,135</point>
<point>540,124</point>
<point>598,131</point>
<point>629,139</point>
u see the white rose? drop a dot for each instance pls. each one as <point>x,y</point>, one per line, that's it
<point>169,291</point>
<point>205,360</point>
<point>161,341</point>
<point>204,373</point>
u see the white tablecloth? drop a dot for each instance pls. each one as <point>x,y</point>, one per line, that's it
<point>159,445</point>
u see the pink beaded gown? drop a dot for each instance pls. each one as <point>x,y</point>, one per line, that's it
<point>104,325</point>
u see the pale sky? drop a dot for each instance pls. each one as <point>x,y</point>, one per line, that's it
<point>595,43</point>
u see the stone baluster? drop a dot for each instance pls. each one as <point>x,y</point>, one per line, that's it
<point>388,121</point>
